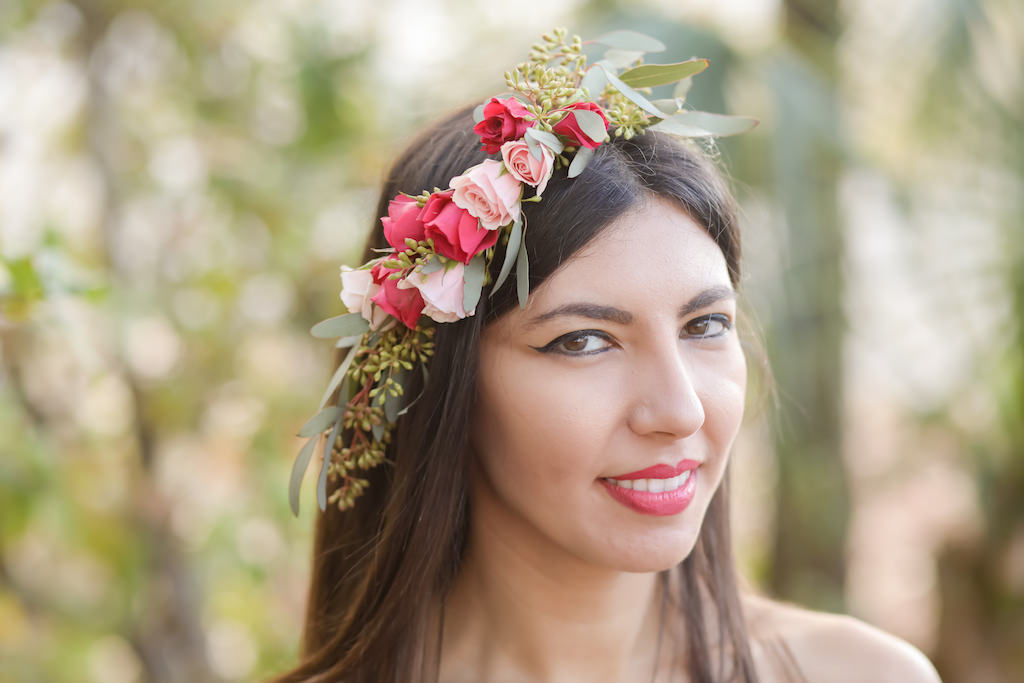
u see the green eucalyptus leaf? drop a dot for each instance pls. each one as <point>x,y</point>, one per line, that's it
<point>340,326</point>
<point>696,124</point>
<point>651,75</point>
<point>432,265</point>
<point>478,113</point>
<point>522,273</point>
<point>637,99</point>
<point>345,342</point>
<point>321,421</point>
<point>668,106</point>
<point>299,468</point>
<point>549,140</point>
<point>580,161</point>
<point>620,59</point>
<point>393,404</point>
<point>534,145</point>
<point>682,88</point>
<point>473,279</point>
<point>630,40</point>
<point>511,251</point>
<point>321,482</point>
<point>413,402</point>
<point>339,375</point>
<point>594,80</point>
<point>378,432</point>
<point>591,124</point>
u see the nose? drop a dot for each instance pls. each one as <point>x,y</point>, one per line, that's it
<point>666,398</point>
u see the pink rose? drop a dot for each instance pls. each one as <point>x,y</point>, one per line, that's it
<point>503,120</point>
<point>524,166</point>
<point>357,292</point>
<point>442,291</point>
<point>570,128</point>
<point>456,233</point>
<point>404,303</point>
<point>402,221</point>
<point>488,193</point>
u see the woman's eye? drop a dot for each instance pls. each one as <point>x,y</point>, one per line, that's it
<point>582,343</point>
<point>714,325</point>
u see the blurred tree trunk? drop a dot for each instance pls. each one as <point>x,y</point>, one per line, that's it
<point>164,625</point>
<point>981,581</point>
<point>805,338</point>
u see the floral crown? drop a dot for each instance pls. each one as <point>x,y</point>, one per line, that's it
<point>557,113</point>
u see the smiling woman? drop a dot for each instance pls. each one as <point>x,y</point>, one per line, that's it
<point>607,407</point>
<point>553,500</point>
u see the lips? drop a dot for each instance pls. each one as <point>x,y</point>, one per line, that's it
<point>658,490</point>
<point>659,471</point>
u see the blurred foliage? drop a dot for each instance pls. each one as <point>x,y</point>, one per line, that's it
<point>180,181</point>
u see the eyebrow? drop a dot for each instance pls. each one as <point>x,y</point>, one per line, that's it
<point>704,299</point>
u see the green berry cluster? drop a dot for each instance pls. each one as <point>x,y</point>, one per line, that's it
<point>551,77</point>
<point>623,114</point>
<point>394,349</point>
<point>415,254</point>
<point>381,361</point>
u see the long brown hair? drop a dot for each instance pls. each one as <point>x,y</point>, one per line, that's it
<point>381,569</point>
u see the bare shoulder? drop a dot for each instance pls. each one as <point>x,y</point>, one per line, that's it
<point>834,647</point>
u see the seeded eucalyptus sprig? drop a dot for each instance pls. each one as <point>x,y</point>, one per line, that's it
<point>371,398</point>
<point>415,254</point>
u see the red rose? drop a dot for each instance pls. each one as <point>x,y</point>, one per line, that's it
<point>570,127</point>
<point>406,304</point>
<point>503,120</point>
<point>457,233</point>
<point>402,221</point>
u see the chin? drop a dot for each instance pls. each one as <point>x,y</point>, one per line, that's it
<point>654,551</point>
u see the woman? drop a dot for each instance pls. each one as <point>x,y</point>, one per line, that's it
<point>554,505</point>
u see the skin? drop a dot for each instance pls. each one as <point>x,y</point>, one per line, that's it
<point>831,647</point>
<point>560,579</point>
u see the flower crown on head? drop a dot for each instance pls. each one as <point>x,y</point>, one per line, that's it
<point>557,113</point>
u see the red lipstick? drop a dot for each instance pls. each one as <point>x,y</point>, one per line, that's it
<point>659,471</point>
<point>660,490</point>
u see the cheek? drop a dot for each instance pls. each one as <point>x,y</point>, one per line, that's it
<point>533,426</point>
<point>724,382</point>
<point>728,382</point>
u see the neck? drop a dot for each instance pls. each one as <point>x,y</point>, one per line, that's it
<point>519,610</point>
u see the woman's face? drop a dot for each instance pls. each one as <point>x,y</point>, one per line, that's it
<point>608,406</point>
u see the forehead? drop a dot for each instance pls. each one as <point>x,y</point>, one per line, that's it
<point>653,254</point>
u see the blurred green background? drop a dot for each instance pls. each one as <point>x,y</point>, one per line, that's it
<point>179,182</point>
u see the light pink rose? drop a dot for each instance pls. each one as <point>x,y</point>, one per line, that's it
<point>442,292</point>
<point>524,166</point>
<point>488,193</point>
<point>357,292</point>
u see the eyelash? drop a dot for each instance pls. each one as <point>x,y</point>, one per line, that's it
<point>552,346</point>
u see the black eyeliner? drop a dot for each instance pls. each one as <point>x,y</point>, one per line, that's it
<point>550,346</point>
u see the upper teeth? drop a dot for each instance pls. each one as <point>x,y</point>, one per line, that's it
<point>655,485</point>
